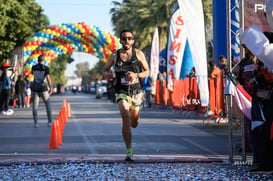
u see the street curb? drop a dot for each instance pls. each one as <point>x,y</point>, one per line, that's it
<point>10,160</point>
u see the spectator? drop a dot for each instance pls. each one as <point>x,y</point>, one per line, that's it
<point>28,93</point>
<point>20,87</point>
<point>192,73</point>
<point>5,90</point>
<point>262,101</point>
<point>248,68</point>
<point>216,85</point>
<point>222,62</point>
<point>147,88</point>
<point>215,71</point>
<point>162,78</point>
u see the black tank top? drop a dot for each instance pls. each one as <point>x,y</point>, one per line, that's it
<point>121,68</point>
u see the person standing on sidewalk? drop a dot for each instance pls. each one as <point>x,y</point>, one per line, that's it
<point>28,92</point>
<point>147,88</point>
<point>5,84</point>
<point>247,73</point>
<point>130,67</point>
<point>40,85</point>
<point>20,87</point>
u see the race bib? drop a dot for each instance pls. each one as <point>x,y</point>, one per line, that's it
<point>124,81</point>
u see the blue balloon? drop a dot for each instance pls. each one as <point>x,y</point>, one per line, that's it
<point>46,35</point>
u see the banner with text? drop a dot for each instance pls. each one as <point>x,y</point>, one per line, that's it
<point>175,48</point>
<point>194,26</point>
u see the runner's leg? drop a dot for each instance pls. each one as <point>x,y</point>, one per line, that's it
<point>126,122</point>
<point>134,117</point>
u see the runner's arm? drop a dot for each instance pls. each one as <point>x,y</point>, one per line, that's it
<point>143,61</point>
<point>105,72</point>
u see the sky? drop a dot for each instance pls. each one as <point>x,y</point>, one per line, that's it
<point>92,12</point>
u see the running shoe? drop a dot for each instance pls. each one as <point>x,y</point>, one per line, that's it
<point>129,156</point>
<point>128,159</point>
<point>9,112</point>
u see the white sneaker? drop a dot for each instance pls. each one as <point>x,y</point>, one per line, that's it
<point>9,112</point>
<point>3,113</point>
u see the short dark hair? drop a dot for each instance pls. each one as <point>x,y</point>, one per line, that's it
<point>212,63</point>
<point>222,57</point>
<point>124,31</point>
<point>41,58</point>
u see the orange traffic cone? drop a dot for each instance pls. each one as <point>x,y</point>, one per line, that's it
<point>65,109</point>
<point>61,122</point>
<point>69,110</point>
<point>59,132</point>
<point>54,142</point>
<point>64,117</point>
<point>64,104</point>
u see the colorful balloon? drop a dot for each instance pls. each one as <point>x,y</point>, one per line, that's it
<point>66,38</point>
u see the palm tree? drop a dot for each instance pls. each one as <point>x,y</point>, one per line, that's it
<point>143,16</point>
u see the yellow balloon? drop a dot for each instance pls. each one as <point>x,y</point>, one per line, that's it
<point>108,40</point>
<point>27,48</point>
<point>82,30</point>
<point>86,50</point>
<point>31,79</point>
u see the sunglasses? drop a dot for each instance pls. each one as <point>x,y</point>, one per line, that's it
<point>126,38</point>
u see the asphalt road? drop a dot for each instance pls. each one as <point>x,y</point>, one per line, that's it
<point>95,128</point>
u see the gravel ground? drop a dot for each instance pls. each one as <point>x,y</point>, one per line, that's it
<point>124,171</point>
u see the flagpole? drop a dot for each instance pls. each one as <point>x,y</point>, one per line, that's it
<point>229,97</point>
<point>241,50</point>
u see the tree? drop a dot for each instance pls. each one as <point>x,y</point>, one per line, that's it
<point>18,23</point>
<point>96,72</point>
<point>57,68</point>
<point>208,24</point>
<point>142,16</point>
<point>82,72</point>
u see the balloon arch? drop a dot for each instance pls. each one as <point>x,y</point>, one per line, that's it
<point>65,38</point>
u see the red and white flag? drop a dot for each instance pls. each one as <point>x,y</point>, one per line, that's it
<point>243,100</point>
<point>250,108</point>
